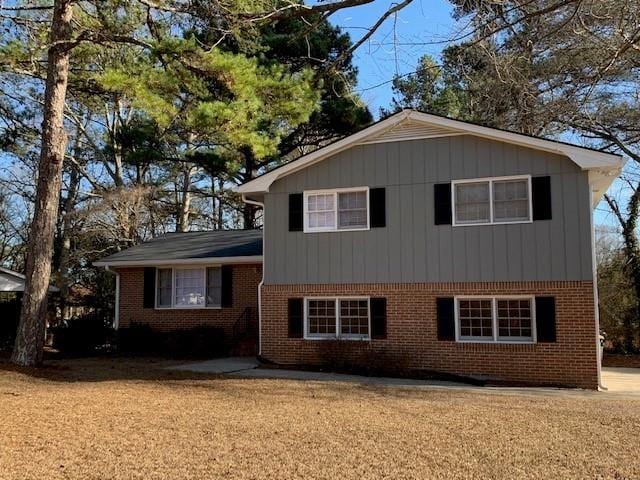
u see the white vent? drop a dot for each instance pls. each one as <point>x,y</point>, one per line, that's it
<point>411,130</point>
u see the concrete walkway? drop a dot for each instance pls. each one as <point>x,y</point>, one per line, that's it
<point>623,383</point>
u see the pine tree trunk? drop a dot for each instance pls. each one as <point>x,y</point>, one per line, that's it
<point>184,208</point>
<point>33,317</point>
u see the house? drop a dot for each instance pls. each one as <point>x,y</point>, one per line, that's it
<point>438,245</point>
<point>11,290</point>
<point>188,280</point>
<point>422,242</point>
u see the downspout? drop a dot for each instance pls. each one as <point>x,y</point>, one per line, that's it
<point>596,300</point>
<point>116,315</point>
<point>261,205</point>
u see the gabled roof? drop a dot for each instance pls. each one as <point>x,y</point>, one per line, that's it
<point>192,248</point>
<point>412,125</point>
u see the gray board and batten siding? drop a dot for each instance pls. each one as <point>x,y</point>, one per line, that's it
<point>411,248</point>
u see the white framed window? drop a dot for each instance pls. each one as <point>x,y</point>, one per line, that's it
<point>504,319</point>
<point>340,209</point>
<point>337,318</point>
<point>490,201</point>
<point>188,287</point>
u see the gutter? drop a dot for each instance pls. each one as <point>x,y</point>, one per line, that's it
<point>596,300</point>
<point>261,205</point>
<point>187,261</point>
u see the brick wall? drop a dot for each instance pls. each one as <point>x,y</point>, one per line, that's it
<point>245,294</point>
<point>412,339</point>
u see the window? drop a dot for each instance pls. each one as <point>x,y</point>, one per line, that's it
<point>214,287</point>
<point>495,319</point>
<point>514,319</point>
<point>336,210</point>
<point>493,200</point>
<point>164,284</point>
<point>346,318</point>
<point>476,319</point>
<point>189,287</point>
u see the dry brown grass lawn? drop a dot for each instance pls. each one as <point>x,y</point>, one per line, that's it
<point>125,419</point>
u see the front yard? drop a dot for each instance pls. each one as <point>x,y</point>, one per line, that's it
<point>117,418</point>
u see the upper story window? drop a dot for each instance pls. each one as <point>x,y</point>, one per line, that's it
<point>492,200</point>
<point>189,287</point>
<point>341,209</point>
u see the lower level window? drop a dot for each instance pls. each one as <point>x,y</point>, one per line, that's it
<point>188,287</point>
<point>495,319</point>
<point>337,318</point>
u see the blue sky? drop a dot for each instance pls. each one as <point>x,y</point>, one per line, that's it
<point>423,27</point>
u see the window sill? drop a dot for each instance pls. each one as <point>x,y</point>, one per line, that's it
<point>337,230</point>
<point>339,339</point>
<point>489,224</point>
<point>186,308</point>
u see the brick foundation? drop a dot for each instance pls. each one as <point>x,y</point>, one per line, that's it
<point>412,341</point>
<point>245,294</point>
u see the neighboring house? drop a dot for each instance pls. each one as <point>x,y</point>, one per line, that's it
<point>438,245</point>
<point>11,291</point>
<point>187,280</point>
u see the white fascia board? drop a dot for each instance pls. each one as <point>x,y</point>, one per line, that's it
<point>186,261</point>
<point>585,158</point>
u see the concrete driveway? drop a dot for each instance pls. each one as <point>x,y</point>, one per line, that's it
<point>621,382</point>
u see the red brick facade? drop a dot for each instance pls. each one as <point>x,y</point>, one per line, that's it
<point>245,280</point>
<point>412,337</point>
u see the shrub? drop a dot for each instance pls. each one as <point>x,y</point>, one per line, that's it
<point>83,335</point>
<point>362,358</point>
<point>9,317</point>
<point>197,342</point>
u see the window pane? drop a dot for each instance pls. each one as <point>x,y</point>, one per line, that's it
<point>354,317</point>
<point>475,318</point>
<point>163,296</point>
<point>321,315</point>
<point>189,287</point>
<point>514,320</point>
<point>214,286</point>
<point>321,211</point>
<point>352,210</point>
<point>472,202</point>
<point>511,200</point>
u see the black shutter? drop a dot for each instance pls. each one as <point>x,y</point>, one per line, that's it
<point>446,318</point>
<point>296,317</point>
<point>378,317</point>
<point>149,288</point>
<point>442,203</point>
<point>295,212</point>
<point>541,197</point>
<point>227,286</point>
<point>377,208</point>
<point>546,319</point>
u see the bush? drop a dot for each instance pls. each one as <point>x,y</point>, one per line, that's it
<point>361,358</point>
<point>197,342</point>
<point>9,318</point>
<point>83,335</point>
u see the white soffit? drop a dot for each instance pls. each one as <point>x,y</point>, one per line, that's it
<point>411,130</point>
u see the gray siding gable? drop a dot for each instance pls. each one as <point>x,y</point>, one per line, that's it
<point>411,248</point>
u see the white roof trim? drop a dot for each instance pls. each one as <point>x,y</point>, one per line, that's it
<point>185,261</point>
<point>12,273</point>
<point>585,158</point>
